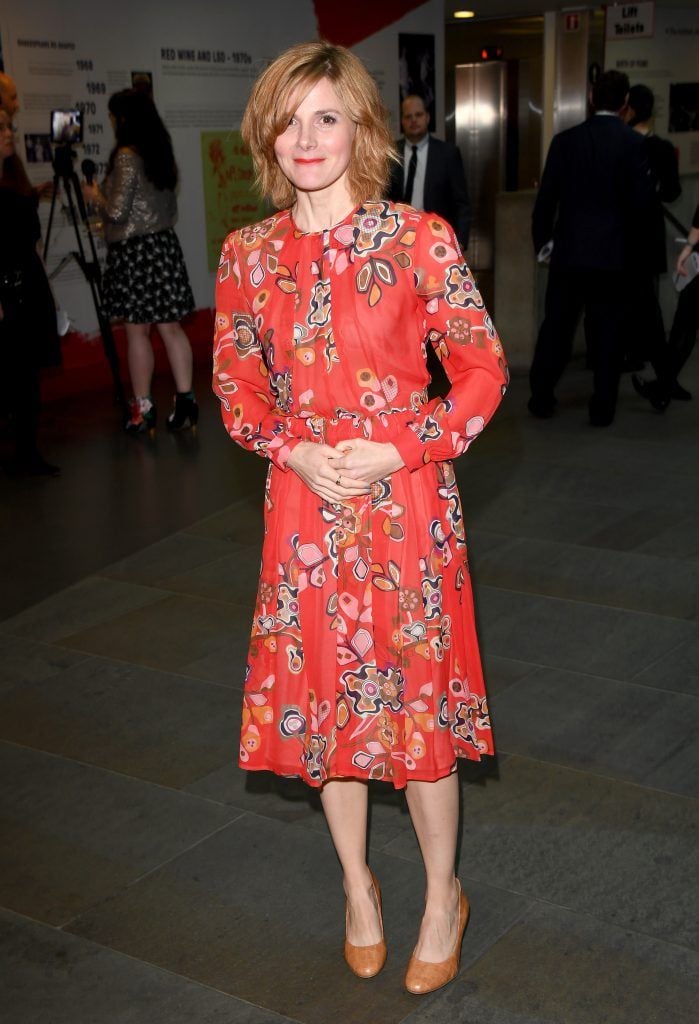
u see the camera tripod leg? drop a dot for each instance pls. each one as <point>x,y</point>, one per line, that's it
<point>90,268</point>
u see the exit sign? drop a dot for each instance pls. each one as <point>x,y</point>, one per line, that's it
<point>630,21</point>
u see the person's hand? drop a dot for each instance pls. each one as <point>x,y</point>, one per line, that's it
<point>368,461</point>
<point>45,190</point>
<point>680,266</point>
<point>316,465</point>
<point>91,193</point>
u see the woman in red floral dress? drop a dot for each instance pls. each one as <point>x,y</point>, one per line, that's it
<point>363,658</point>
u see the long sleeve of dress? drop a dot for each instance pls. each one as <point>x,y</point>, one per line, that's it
<point>459,328</point>
<point>121,187</point>
<point>241,376</point>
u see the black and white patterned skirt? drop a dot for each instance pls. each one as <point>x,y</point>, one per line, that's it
<point>145,280</point>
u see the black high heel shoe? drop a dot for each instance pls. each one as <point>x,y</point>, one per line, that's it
<point>185,413</point>
<point>142,416</point>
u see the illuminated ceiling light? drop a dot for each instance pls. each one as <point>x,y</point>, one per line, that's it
<point>464,14</point>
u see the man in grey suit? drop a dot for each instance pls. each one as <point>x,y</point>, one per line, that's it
<point>431,173</point>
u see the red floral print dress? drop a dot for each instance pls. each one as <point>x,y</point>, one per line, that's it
<point>363,657</point>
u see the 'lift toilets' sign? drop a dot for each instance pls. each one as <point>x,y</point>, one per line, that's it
<point>630,21</point>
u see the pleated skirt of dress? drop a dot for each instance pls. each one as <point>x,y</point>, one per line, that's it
<point>363,659</point>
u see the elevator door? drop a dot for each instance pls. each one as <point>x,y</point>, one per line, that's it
<point>480,135</point>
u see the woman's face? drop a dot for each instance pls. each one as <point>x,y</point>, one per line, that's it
<point>7,135</point>
<point>315,149</point>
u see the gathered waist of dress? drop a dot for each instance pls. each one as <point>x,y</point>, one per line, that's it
<point>381,425</point>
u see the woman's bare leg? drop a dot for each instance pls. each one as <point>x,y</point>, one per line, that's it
<point>434,810</point>
<point>179,353</point>
<point>140,358</point>
<point>345,806</point>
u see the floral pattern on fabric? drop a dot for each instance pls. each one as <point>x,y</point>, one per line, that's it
<point>363,657</point>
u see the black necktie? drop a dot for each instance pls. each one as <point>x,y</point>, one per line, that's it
<point>412,167</point>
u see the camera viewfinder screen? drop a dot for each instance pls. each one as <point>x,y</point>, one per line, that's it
<point>66,126</point>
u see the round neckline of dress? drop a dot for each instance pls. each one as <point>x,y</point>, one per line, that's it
<point>332,227</point>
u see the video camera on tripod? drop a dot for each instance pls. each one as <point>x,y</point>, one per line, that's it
<point>67,131</point>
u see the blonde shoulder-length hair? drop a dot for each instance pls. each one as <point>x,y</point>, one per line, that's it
<point>278,92</point>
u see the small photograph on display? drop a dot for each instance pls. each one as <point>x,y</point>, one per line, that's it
<point>143,81</point>
<point>684,107</point>
<point>417,68</point>
<point>37,149</point>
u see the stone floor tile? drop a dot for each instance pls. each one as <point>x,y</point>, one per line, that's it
<point>568,522</point>
<point>182,877</point>
<point>483,542</point>
<point>652,531</point>
<point>558,477</point>
<point>575,635</point>
<point>640,734</point>
<point>73,834</point>
<point>262,793</point>
<point>23,660</point>
<point>50,977</point>
<point>555,967</point>
<point>588,843</point>
<point>265,902</point>
<point>678,670</point>
<point>170,634</point>
<point>679,540</point>
<point>171,556</point>
<point>241,522</point>
<point>143,723</point>
<point>500,673</point>
<point>290,800</point>
<point>231,579</point>
<point>116,495</point>
<point>224,661</point>
<point>90,603</point>
<point>660,586</point>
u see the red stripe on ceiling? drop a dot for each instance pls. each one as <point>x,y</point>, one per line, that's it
<point>347,22</point>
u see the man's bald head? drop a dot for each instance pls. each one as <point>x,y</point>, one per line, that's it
<point>8,94</point>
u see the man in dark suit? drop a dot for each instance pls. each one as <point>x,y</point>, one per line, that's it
<point>595,184</point>
<point>645,328</point>
<point>431,173</point>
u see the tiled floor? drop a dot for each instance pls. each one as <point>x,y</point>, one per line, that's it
<point>145,879</point>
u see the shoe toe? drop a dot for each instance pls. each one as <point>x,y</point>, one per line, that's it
<point>422,978</point>
<point>365,961</point>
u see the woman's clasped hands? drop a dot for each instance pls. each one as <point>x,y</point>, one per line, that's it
<point>346,471</point>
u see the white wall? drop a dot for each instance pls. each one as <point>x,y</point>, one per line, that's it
<point>81,52</point>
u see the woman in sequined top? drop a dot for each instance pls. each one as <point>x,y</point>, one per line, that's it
<point>145,280</point>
